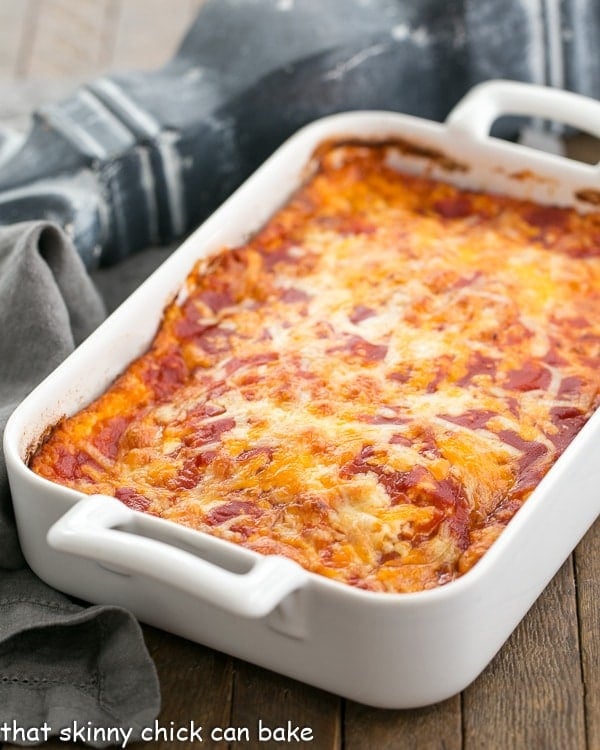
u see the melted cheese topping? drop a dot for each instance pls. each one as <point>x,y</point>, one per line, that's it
<point>372,385</point>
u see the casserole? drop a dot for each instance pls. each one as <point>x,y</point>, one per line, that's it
<point>407,649</point>
<point>371,385</point>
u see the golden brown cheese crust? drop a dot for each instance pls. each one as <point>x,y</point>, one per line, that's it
<point>372,385</point>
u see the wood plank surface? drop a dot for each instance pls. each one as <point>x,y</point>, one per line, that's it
<point>275,701</point>
<point>435,727</point>
<point>196,684</point>
<point>532,694</point>
<point>587,567</point>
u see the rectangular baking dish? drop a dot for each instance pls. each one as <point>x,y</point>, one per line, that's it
<point>386,650</point>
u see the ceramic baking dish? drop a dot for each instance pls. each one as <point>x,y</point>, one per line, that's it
<point>388,650</point>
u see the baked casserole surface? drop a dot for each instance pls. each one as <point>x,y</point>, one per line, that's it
<point>372,385</point>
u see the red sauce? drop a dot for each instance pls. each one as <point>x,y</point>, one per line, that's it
<point>107,439</point>
<point>230,510</point>
<point>358,347</point>
<point>360,312</point>
<point>131,498</point>
<point>207,409</point>
<point>166,374</point>
<point>569,420</point>
<point>187,477</point>
<point>516,333</point>
<point>570,386</point>
<point>347,225</point>
<point>191,472</point>
<point>293,295</point>
<point>274,256</point>
<point>205,458</point>
<point>458,521</point>
<point>473,418</point>
<point>547,217</point>
<point>400,439</point>
<point>261,450</point>
<point>591,250</point>
<point>380,419</point>
<point>216,300</point>
<point>464,281</point>
<point>192,323</point>
<point>506,510</point>
<point>73,465</point>
<point>531,470</point>
<point>456,207</point>
<point>532,376</point>
<point>235,363</point>
<point>553,355</point>
<point>400,377</point>
<point>478,364</point>
<point>359,464</point>
<point>209,432</point>
<point>398,483</point>
<point>213,340</point>
<point>578,321</point>
<point>424,439</point>
<point>510,437</point>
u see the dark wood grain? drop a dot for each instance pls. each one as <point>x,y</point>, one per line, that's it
<point>531,695</point>
<point>196,684</point>
<point>275,700</point>
<point>432,728</point>
<point>587,568</point>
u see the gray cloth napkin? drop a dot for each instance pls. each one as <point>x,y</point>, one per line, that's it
<point>60,663</point>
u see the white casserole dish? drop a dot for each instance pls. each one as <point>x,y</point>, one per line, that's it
<point>387,650</point>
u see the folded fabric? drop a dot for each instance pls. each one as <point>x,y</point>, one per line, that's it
<point>60,662</point>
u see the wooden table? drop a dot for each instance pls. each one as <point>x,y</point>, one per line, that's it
<point>541,692</point>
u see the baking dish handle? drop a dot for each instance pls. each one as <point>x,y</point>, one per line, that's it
<point>88,530</point>
<point>476,112</point>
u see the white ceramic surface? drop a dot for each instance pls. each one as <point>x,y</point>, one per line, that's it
<point>388,650</point>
